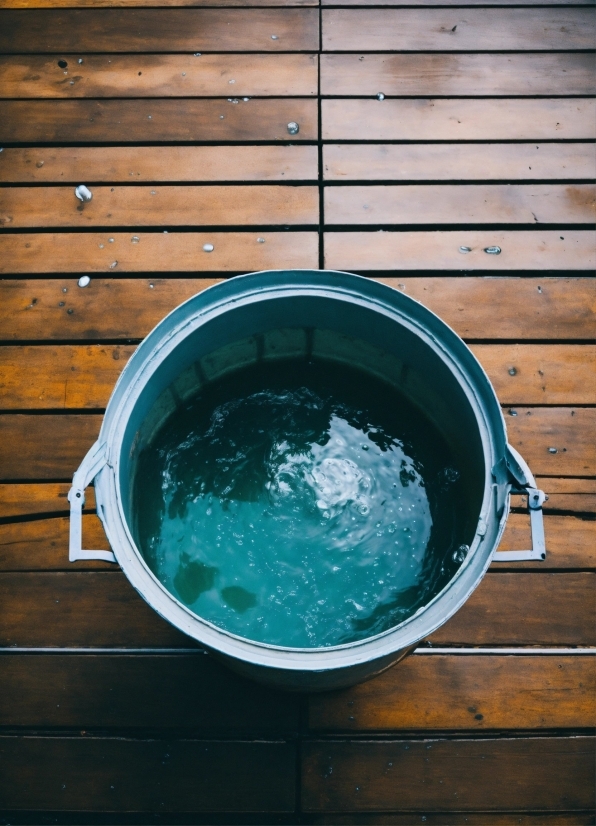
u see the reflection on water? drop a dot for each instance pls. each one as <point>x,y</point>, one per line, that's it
<point>300,503</point>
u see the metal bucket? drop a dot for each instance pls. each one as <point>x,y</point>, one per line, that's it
<point>339,316</point>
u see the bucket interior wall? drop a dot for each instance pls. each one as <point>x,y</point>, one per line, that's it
<point>323,328</point>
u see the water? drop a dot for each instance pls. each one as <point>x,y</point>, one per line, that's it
<point>302,504</point>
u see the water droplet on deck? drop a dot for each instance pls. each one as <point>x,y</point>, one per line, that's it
<point>82,193</point>
<point>380,96</point>
<point>135,239</point>
<point>113,264</point>
<point>293,127</point>
<point>492,250</point>
<point>465,250</point>
<point>207,247</point>
<point>84,281</point>
<point>512,371</point>
<point>80,60</point>
<point>553,450</point>
<point>39,164</point>
<point>260,240</point>
<point>274,37</point>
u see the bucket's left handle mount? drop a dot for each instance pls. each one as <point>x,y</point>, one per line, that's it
<point>93,462</point>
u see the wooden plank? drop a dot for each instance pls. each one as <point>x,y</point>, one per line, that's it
<point>42,545</point>
<point>452,818</point>
<point>533,773</point>
<point>570,250</point>
<point>45,498</point>
<point>446,75</point>
<point>145,206</point>
<point>38,499</point>
<point>164,119</point>
<point>472,692</point>
<point>60,377</point>
<point>172,75</point>
<point>529,308</point>
<point>13,3</point>
<point>101,609</point>
<point>453,120</point>
<point>539,374</point>
<point>83,376</point>
<point>553,608</point>
<point>442,162</point>
<point>125,775</point>
<point>96,4</point>
<point>555,441</point>
<point>570,542</point>
<point>156,251</point>
<point>435,204</point>
<point>159,30</point>
<point>146,164</point>
<point>139,691</point>
<point>457,29</point>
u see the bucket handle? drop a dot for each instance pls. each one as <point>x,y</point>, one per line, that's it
<point>523,482</point>
<point>91,465</point>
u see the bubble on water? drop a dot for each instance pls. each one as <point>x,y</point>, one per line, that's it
<point>460,554</point>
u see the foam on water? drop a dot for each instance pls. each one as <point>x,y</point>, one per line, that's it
<point>302,504</point>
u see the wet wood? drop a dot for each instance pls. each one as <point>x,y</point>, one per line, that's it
<point>180,75</point>
<point>143,206</point>
<point>454,120</point>
<point>445,204</point>
<point>146,164</point>
<point>42,545</point>
<point>520,250</point>
<point>456,29</point>
<point>156,251</point>
<point>451,162</point>
<point>121,774</point>
<point>445,75</point>
<point>101,609</point>
<point>164,119</point>
<point>529,308</point>
<point>190,693</point>
<point>158,30</point>
<point>38,499</point>
<point>434,692</point>
<point>83,376</point>
<point>51,446</point>
<point>363,3</point>
<point>547,773</point>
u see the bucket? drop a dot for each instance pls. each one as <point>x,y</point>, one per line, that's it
<point>338,318</point>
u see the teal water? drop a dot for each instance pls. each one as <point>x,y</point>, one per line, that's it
<point>302,504</point>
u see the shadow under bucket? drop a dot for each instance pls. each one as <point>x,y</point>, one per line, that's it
<point>305,471</point>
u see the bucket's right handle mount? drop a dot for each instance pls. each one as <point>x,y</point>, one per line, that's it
<point>91,465</point>
<point>523,482</point>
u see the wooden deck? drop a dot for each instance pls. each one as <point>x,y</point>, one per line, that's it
<point>175,115</point>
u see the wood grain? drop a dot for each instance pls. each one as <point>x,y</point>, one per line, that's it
<point>466,692</point>
<point>179,75</point>
<point>143,206</point>
<point>445,75</point>
<point>542,773</point>
<point>42,544</point>
<point>116,30</point>
<point>441,162</point>
<point>126,775</point>
<point>451,818</point>
<point>83,376</point>
<point>529,308</point>
<point>164,119</point>
<point>446,204</point>
<point>156,251</point>
<point>570,250</point>
<point>454,120</point>
<point>38,499</point>
<point>101,609</point>
<point>146,164</point>
<point>456,29</point>
<point>187,692</point>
